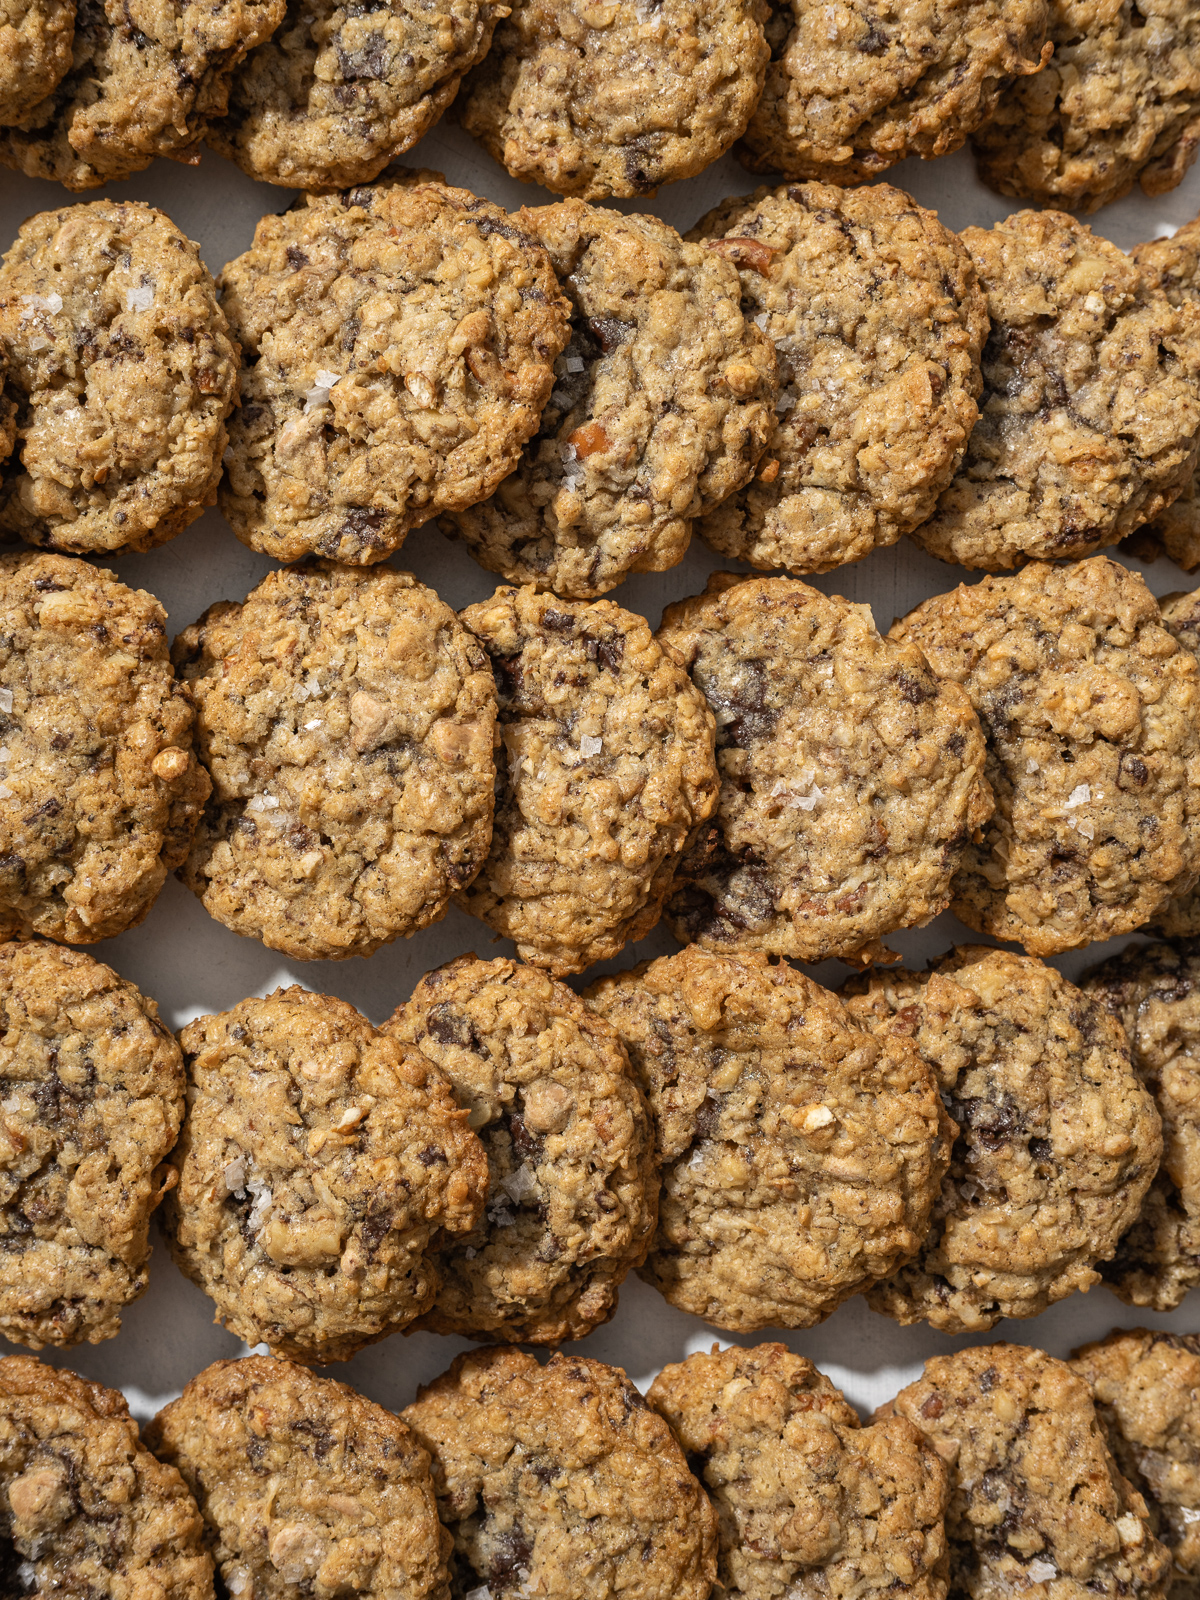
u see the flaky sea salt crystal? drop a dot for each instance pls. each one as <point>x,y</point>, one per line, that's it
<point>234,1176</point>
<point>761,320</point>
<point>5,792</point>
<point>576,364</point>
<point>262,802</point>
<point>139,299</point>
<point>590,746</point>
<point>315,723</point>
<point>1042,1571</point>
<point>1079,796</point>
<point>263,1201</point>
<point>1086,827</point>
<point>5,699</point>
<point>807,802</point>
<point>319,394</point>
<point>519,1185</point>
<point>482,1593</point>
<point>38,342</point>
<point>42,302</point>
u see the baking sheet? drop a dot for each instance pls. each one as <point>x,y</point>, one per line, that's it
<point>192,965</point>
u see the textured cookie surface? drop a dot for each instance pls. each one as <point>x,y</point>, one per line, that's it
<point>398,346</point>
<point>804,1495</point>
<point>1055,1143</point>
<point>851,778</point>
<point>99,788</point>
<point>1119,102</point>
<point>87,1509</point>
<point>346,717</point>
<point>852,91</point>
<point>318,1160</point>
<point>660,409</point>
<point>605,770</point>
<point>877,323</point>
<point>1154,992</point>
<point>35,52</point>
<point>123,371</point>
<point>92,1087</point>
<point>305,1486</point>
<point>559,1480</point>
<point>1090,407</point>
<point>572,1180</point>
<point>1147,1389</point>
<point>1089,710</point>
<point>801,1155</point>
<point>141,86</point>
<point>341,89</point>
<point>611,99</point>
<point>1036,1501</point>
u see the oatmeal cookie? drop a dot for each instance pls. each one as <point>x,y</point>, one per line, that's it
<point>1055,1139</point>
<point>605,772</point>
<point>559,1480</point>
<point>346,717</point>
<point>662,406</point>
<point>35,52</point>
<point>319,1163</point>
<point>87,1509</point>
<point>1180,916</point>
<point>801,1154</point>
<point>92,1087</point>
<point>100,790</point>
<point>851,779</point>
<point>1090,410</point>
<point>1093,750</point>
<point>1037,1504</point>
<point>123,371</point>
<point>592,98</point>
<point>849,92</point>
<point>144,81</point>
<point>341,89</point>
<point>808,1501</point>
<point>1154,992</point>
<point>1119,101</point>
<point>305,1486</point>
<point>877,323</point>
<point>1147,1389</point>
<point>572,1180</point>
<point>399,342</point>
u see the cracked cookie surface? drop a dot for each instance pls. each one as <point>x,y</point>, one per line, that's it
<point>801,1155</point>
<point>1090,408</point>
<point>346,718</point>
<point>605,770</point>
<point>572,1180</point>
<point>851,778</point>
<point>596,99</point>
<point>660,409</point>
<point>1036,1500</point>
<point>35,52</point>
<point>304,1485</point>
<point>123,373</point>
<point>560,1480</point>
<point>398,345</point>
<point>1089,710</point>
<point>1055,1141</point>
<point>317,1163</point>
<point>100,790</point>
<point>877,323</point>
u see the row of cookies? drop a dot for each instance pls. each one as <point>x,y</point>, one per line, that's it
<point>963,1145</point>
<point>1066,106</point>
<point>743,1472</point>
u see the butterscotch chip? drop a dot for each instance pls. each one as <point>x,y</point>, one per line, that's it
<point>848,93</point>
<point>596,98</point>
<point>559,1480</point>
<point>304,1485</point>
<point>772,1440</point>
<point>1030,1210</point>
<point>572,1180</point>
<point>346,718</point>
<point>89,828</point>
<point>123,373</point>
<point>35,52</point>
<point>801,1155</point>
<point>605,771</point>
<point>398,344</point>
<point>1036,1500</point>
<point>1089,708</point>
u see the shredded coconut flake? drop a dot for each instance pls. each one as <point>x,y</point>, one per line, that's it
<point>589,746</point>
<point>1079,796</point>
<point>139,299</point>
<point>315,723</point>
<point>1042,1571</point>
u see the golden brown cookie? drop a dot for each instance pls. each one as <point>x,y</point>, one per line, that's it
<point>605,771</point>
<point>319,1164</point>
<point>801,1155</point>
<point>305,1486</point>
<point>35,52</point>
<point>1031,1205</point>
<point>559,1480</point>
<point>346,718</point>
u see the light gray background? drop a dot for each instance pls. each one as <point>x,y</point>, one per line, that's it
<point>192,965</point>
